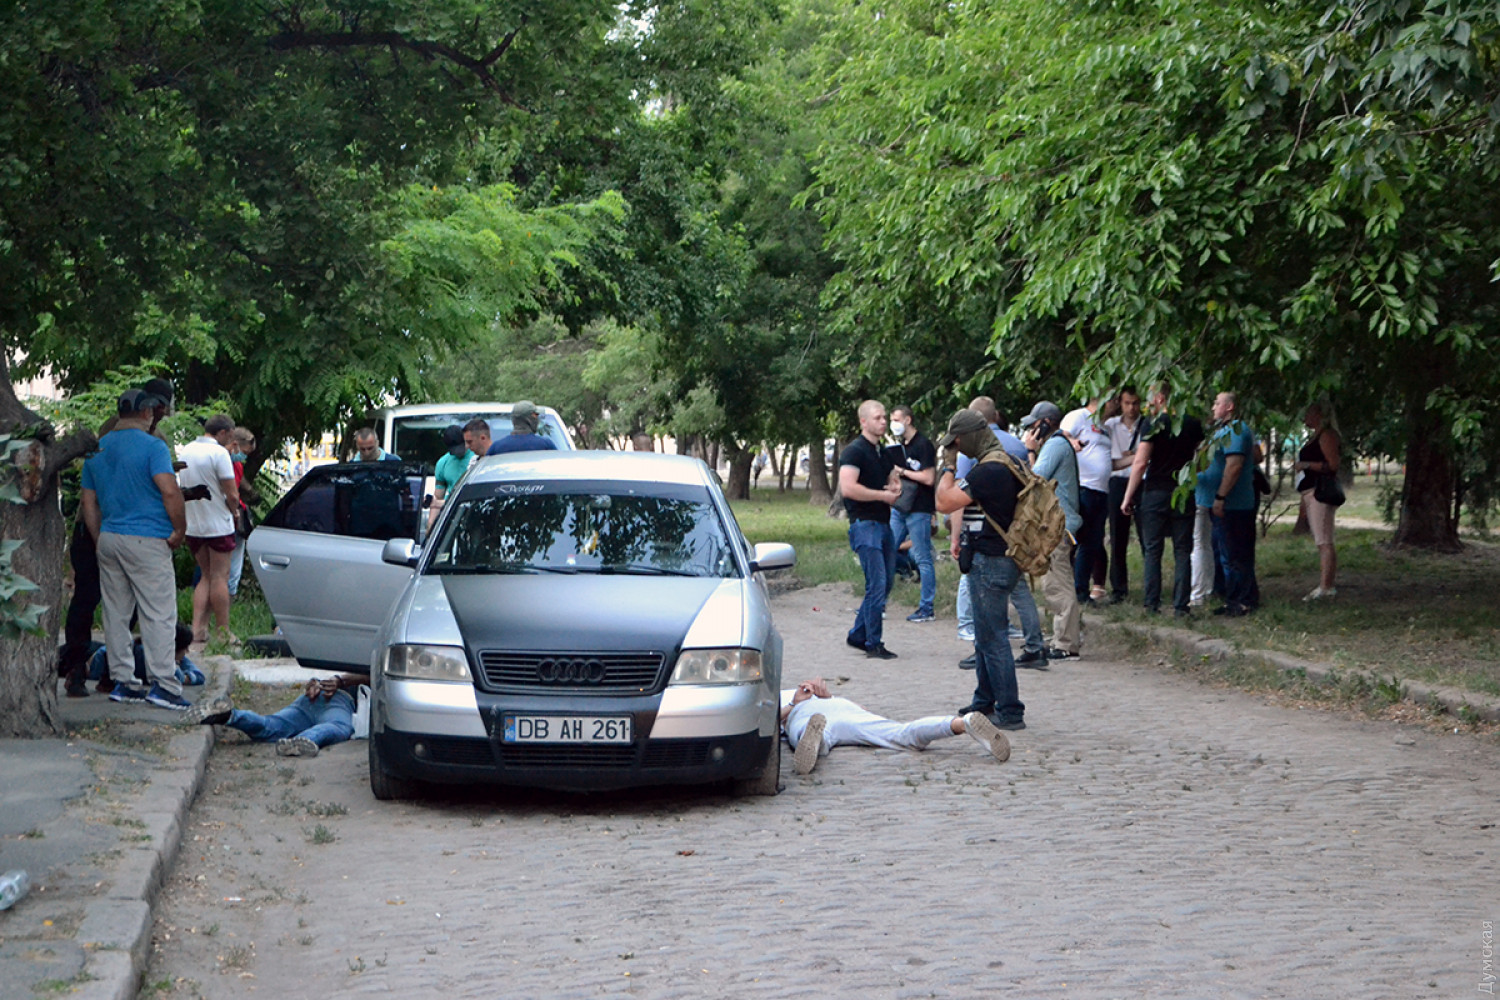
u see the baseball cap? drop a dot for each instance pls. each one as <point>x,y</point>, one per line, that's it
<point>453,438</point>
<point>133,401</point>
<point>962,422</point>
<point>524,414</point>
<point>1042,411</point>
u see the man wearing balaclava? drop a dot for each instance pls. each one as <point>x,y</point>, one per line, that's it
<point>991,488</point>
<point>523,436</point>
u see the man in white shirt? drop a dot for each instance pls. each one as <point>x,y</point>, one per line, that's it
<point>1124,433</point>
<point>212,502</point>
<point>815,722</point>
<point>1093,493</point>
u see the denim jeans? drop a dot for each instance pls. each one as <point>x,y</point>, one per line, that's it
<point>876,548</point>
<point>919,528</point>
<point>1234,540</point>
<point>995,693</point>
<point>1093,507</point>
<point>325,721</point>
<point>1154,519</point>
<point>1119,540</point>
<point>236,566</point>
<point>1020,598</point>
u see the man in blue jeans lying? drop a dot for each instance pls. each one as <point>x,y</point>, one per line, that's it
<point>322,716</point>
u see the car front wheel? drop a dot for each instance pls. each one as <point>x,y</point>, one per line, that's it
<point>384,785</point>
<point>766,780</point>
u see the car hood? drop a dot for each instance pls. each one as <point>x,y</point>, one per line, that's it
<point>582,612</point>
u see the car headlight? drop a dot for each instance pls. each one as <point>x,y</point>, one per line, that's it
<point>427,663</point>
<point>717,666</point>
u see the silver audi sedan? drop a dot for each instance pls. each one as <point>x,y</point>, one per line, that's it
<point>574,620</point>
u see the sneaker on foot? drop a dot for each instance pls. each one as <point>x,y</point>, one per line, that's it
<point>1061,654</point>
<point>921,616</point>
<point>213,712</point>
<point>1013,725</point>
<point>805,757</point>
<point>879,653</point>
<point>296,746</point>
<point>970,662</point>
<point>988,735</point>
<point>162,698</point>
<point>127,692</point>
<point>1032,659</point>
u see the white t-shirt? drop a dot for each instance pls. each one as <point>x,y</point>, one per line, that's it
<point>1093,457</point>
<point>832,709</point>
<point>1121,441</point>
<point>207,463</point>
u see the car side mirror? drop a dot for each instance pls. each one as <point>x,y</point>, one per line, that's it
<point>401,552</point>
<point>773,555</point>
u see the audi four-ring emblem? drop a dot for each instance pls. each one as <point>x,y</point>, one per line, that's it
<point>563,670</point>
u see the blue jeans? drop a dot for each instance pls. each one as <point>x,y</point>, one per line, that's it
<point>236,566</point>
<point>876,548</point>
<point>1093,507</point>
<point>919,528</point>
<point>1234,544</point>
<point>1020,599</point>
<point>325,721</point>
<point>990,582</point>
<point>1154,518</point>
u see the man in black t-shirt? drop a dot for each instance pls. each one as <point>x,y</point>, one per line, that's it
<point>915,460</point>
<point>992,488</point>
<point>869,486</point>
<point>1167,444</point>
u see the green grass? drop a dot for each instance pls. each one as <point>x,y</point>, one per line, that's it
<point>1406,616</point>
<point>248,614</point>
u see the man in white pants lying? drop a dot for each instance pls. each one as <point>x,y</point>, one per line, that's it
<point>815,722</point>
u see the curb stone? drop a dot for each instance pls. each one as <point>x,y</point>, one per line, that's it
<point>1449,699</point>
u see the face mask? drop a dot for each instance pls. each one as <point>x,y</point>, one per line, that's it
<point>898,428</point>
<point>236,456</point>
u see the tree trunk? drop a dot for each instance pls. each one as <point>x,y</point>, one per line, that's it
<point>1427,520</point>
<point>28,666</point>
<point>740,459</point>
<point>819,492</point>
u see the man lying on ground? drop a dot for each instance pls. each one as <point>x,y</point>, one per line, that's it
<point>815,722</point>
<point>322,716</point>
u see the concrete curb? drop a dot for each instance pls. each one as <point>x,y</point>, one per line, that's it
<point>116,928</point>
<point>1449,699</point>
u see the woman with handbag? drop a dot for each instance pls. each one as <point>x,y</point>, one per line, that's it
<point>1317,467</point>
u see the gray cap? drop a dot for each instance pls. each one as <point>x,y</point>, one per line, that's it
<point>524,414</point>
<point>962,422</point>
<point>1043,412</point>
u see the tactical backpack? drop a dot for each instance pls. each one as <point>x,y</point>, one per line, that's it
<point>1039,522</point>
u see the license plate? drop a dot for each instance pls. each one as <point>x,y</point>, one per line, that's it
<point>568,729</point>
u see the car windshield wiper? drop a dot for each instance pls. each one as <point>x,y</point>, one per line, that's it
<point>644,569</point>
<point>485,569</point>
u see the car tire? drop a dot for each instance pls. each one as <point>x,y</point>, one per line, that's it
<point>384,785</point>
<point>767,779</point>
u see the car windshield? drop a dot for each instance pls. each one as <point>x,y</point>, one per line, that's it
<point>555,528</point>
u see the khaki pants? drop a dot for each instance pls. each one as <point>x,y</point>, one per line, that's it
<point>1062,598</point>
<point>136,577</point>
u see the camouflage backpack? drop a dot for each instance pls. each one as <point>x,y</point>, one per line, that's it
<point>1039,522</point>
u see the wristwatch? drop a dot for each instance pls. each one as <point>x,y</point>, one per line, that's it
<point>1221,497</point>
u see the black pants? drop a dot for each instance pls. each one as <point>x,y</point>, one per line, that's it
<point>78,627</point>
<point>1156,519</point>
<point>1119,539</point>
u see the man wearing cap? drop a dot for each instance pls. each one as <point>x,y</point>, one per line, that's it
<point>131,505</point>
<point>992,488</point>
<point>450,468</point>
<point>213,500</point>
<point>1056,460</point>
<point>868,484</point>
<point>523,436</point>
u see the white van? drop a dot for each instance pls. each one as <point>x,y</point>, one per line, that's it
<point>416,432</point>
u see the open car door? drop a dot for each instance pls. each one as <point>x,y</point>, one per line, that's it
<point>317,557</point>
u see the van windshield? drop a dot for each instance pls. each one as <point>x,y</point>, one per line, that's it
<point>419,438</point>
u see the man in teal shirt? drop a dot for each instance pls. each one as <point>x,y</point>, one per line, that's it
<point>1227,487</point>
<point>450,468</point>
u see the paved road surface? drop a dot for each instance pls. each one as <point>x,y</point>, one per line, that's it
<point>1150,837</point>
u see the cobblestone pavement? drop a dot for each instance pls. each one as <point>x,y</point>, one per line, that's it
<point>1150,837</point>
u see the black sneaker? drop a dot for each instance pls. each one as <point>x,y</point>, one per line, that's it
<point>162,698</point>
<point>921,616</point>
<point>879,653</point>
<point>1013,726</point>
<point>855,643</point>
<point>1061,654</point>
<point>970,662</point>
<point>1032,659</point>
<point>125,692</point>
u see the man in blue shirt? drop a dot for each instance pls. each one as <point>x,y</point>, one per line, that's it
<point>1056,460</point>
<point>1227,488</point>
<point>132,506</point>
<point>523,436</point>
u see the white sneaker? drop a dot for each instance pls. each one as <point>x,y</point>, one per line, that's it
<point>297,746</point>
<point>1318,593</point>
<point>978,725</point>
<point>805,757</point>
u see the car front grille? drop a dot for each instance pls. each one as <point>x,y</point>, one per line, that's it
<point>658,754</point>
<point>617,672</point>
<point>458,750</point>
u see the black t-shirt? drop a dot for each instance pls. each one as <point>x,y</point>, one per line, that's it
<point>874,471</point>
<point>994,489</point>
<point>916,455</point>
<point>1169,452</point>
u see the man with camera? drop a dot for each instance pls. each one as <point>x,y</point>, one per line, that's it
<point>213,500</point>
<point>992,488</point>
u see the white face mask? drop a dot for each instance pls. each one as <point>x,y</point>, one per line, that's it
<point>898,428</point>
